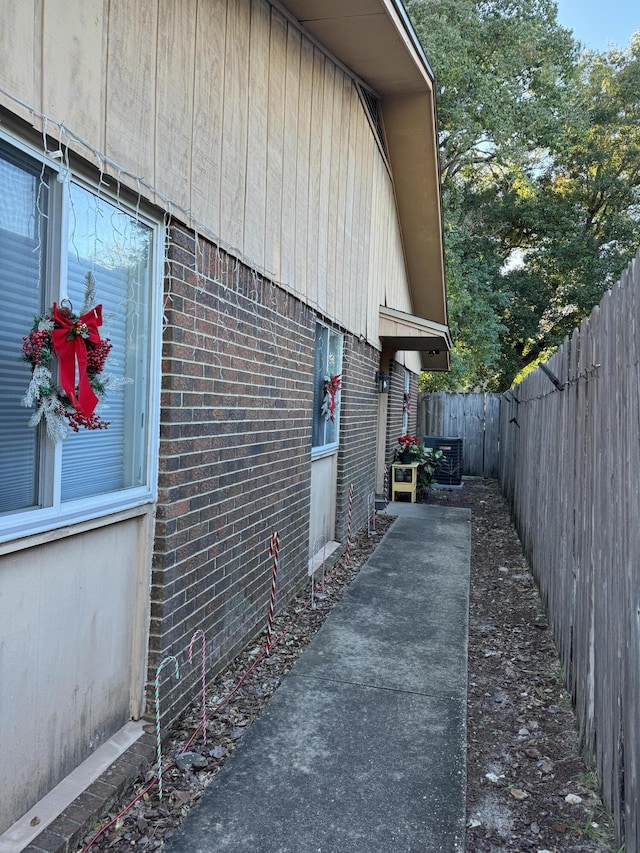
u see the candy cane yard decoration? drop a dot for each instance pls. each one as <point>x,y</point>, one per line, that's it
<point>371,514</point>
<point>349,511</point>
<point>274,549</point>
<point>200,633</point>
<point>170,659</point>
<point>386,486</point>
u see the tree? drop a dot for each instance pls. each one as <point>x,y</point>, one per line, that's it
<point>475,308</point>
<point>499,65</point>
<point>539,158</point>
<point>579,227</point>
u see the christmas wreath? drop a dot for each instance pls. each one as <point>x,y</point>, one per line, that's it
<point>329,401</point>
<point>81,355</point>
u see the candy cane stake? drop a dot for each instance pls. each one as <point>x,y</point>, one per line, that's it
<point>347,556</point>
<point>386,486</point>
<point>371,513</point>
<point>200,633</point>
<point>315,549</point>
<point>174,660</point>
<point>324,560</point>
<point>274,550</point>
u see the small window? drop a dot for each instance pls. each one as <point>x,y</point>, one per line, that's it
<point>326,403</point>
<point>56,235</point>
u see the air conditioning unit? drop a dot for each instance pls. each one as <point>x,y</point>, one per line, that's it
<point>450,472</point>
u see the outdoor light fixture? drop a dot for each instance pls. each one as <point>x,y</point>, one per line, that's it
<point>383,381</point>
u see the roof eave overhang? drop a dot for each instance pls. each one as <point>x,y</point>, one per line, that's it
<point>400,331</point>
<point>375,41</point>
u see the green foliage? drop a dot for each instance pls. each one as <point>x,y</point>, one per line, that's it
<point>580,226</point>
<point>543,357</point>
<point>430,460</point>
<point>498,64</point>
<point>540,158</point>
<point>475,307</point>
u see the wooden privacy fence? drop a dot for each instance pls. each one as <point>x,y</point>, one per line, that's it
<point>472,417</point>
<point>570,468</point>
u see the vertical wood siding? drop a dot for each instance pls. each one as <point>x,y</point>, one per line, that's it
<point>130,123</point>
<point>570,468</point>
<point>70,40</point>
<point>232,114</point>
<point>256,238</point>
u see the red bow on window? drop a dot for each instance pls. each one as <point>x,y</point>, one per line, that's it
<point>70,346</point>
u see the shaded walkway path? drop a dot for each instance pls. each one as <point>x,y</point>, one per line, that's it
<point>361,749</point>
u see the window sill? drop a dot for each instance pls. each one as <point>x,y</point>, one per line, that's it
<point>72,528</point>
<point>321,452</point>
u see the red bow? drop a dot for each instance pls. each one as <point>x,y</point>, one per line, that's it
<point>69,345</point>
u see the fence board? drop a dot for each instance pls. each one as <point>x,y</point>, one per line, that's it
<point>569,466</point>
<point>472,417</point>
<point>491,435</point>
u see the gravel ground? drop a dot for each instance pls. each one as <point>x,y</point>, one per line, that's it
<point>527,787</point>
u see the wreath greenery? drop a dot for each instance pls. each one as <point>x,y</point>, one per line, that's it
<point>73,340</point>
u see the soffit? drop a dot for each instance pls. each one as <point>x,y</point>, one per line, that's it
<point>371,37</point>
<point>410,333</point>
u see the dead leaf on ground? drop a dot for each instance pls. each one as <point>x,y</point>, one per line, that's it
<point>518,793</point>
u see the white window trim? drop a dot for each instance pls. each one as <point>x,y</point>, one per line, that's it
<point>332,448</point>
<point>35,520</point>
<point>325,450</point>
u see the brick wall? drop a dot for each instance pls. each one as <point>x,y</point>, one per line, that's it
<point>396,408</point>
<point>235,456</point>
<point>358,425</point>
<point>235,441</point>
<point>413,414</point>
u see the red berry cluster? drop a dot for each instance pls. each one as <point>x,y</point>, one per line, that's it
<point>77,420</point>
<point>97,355</point>
<point>34,344</point>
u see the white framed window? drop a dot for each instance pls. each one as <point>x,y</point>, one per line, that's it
<point>54,229</point>
<point>327,366</point>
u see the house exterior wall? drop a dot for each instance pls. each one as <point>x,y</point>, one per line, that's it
<point>359,417</point>
<point>224,119</point>
<point>396,408</point>
<point>229,112</point>
<point>71,649</point>
<point>235,455</point>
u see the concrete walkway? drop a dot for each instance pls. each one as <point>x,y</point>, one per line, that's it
<point>361,749</point>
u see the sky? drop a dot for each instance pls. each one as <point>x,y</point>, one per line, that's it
<point>596,23</point>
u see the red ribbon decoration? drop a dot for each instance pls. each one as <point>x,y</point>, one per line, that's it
<point>69,345</point>
<point>331,388</point>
